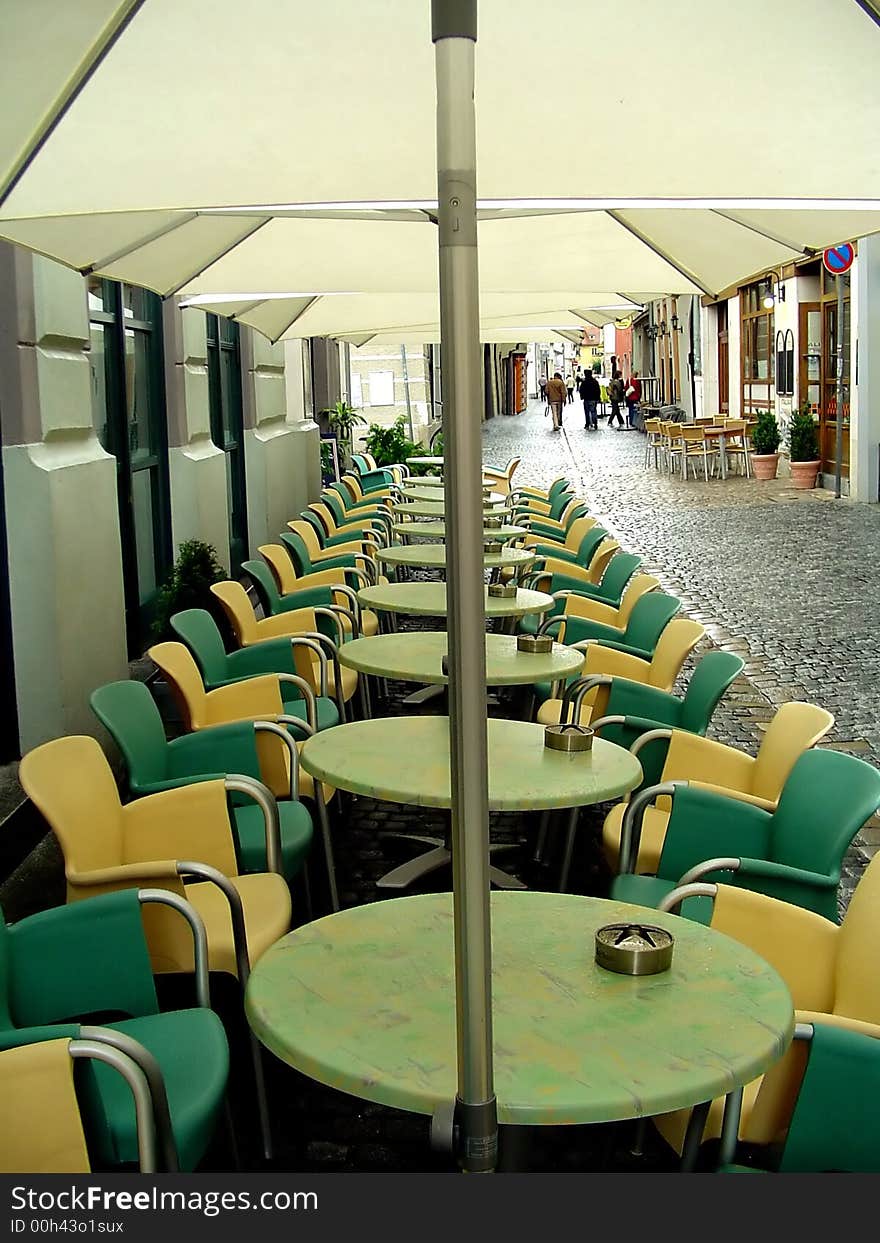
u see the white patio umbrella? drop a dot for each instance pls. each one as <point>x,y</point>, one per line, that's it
<point>127,127</point>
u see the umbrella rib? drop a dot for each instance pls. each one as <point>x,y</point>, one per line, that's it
<point>872,8</point>
<point>762,232</point>
<point>658,250</point>
<point>97,53</point>
<point>302,310</point>
<point>141,242</point>
<point>250,306</point>
<point>217,257</point>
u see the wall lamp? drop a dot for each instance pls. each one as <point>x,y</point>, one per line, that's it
<point>676,326</point>
<point>651,332</point>
<point>664,331</point>
<point>770,298</point>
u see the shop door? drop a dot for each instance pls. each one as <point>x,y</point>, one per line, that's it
<point>227,426</point>
<point>723,361</point>
<point>128,400</point>
<point>810,370</point>
<point>828,413</point>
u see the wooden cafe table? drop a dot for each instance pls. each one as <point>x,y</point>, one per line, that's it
<point>364,1001</point>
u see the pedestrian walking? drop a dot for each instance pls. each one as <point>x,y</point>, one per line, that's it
<point>569,387</point>
<point>615,396</point>
<point>633,397</point>
<point>590,394</point>
<point>556,395</point>
<point>543,385</point>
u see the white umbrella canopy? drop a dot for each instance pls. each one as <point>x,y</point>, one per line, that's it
<point>356,315</point>
<point>242,106</point>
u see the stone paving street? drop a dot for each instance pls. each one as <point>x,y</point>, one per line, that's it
<point>788,579</point>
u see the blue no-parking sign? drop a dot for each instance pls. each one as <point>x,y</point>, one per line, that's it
<point>838,259</point>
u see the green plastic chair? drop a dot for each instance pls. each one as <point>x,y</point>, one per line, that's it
<point>584,552</point>
<point>197,629</point>
<point>634,709</point>
<point>793,854</point>
<point>367,514</point>
<point>303,563</point>
<point>352,509</point>
<point>539,526</point>
<point>650,616</point>
<point>271,599</point>
<point>61,967</point>
<point>129,713</point>
<point>369,479</point>
<point>835,1123</point>
<point>619,571</point>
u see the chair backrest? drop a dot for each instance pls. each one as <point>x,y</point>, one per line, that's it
<point>40,1123</point>
<point>129,713</point>
<point>267,592</point>
<point>307,534</point>
<point>794,728</point>
<point>691,434</point>
<point>835,1124</point>
<point>559,484</point>
<point>589,542</point>
<point>182,675</point>
<point>618,572</point>
<point>70,782</point>
<point>360,463</point>
<point>331,501</point>
<point>652,426</point>
<point>313,520</point>
<point>601,557</point>
<point>325,515</point>
<point>857,980</point>
<point>278,559</point>
<point>238,609</point>
<point>825,801</point>
<point>299,554</point>
<point>709,680</point>
<point>649,618</point>
<point>198,630</point>
<point>679,638</point>
<point>577,530</point>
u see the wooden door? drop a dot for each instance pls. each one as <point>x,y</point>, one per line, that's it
<point>723,361</point>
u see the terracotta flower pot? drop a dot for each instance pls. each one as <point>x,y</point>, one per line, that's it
<point>803,474</point>
<point>764,465</point>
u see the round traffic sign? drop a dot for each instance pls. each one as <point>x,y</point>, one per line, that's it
<point>838,259</point>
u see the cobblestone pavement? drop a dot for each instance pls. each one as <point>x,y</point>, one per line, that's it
<point>788,579</point>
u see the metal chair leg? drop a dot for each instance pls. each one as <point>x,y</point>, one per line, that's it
<point>541,842</point>
<point>324,823</point>
<point>569,848</point>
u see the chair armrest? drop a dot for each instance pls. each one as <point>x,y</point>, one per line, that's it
<point>580,629</point>
<point>631,828</point>
<point>263,657</point>
<point>265,799</point>
<point>241,701</point>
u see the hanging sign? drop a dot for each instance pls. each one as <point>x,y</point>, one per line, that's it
<point>838,259</point>
<point>626,322</point>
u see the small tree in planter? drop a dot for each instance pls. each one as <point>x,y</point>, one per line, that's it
<point>188,585</point>
<point>765,445</point>
<point>803,448</point>
<point>342,419</point>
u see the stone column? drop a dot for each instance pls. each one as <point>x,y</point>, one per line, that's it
<point>62,518</point>
<point>197,467</point>
<point>864,448</point>
<point>282,457</point>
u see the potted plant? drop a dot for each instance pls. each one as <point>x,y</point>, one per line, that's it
<point>803,448</point>
<point>188,585</point>
<point>765,445</point>
<point>342,419</point>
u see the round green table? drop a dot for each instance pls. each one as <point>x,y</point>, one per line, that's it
<point>436,492</point>
<point>424,461</point>
<point>437,530</point>
<point>364,1001</point>
<point>416,656</point>
<point>433,556</point>
<point>429,600</point>
<point>406,760</point>
<point>437,509</point>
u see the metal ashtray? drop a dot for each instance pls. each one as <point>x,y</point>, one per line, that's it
<point>494,546</point>
<point>493,521</point>
<point>502,591</point>
<point>634,949</point>
<point>534,643</point>
<point>569,737</point>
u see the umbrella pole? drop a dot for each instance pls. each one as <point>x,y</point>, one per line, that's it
<point>454,32</point>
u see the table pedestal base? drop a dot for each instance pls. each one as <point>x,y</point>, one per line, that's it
<point>404,875</point>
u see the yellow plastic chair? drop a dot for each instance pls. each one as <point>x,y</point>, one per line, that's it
<point>695,447</point>
<point>356,531</point>
<point>714,766</point>
<point>180,840</point>
<point>283,570</point>
<point>540,494</point>
<point>586,574</point>
<point>41,1129</point>
<point>653,442</point>
<point>830,970</point>
<point>317,553</point>
<point>570,536</point>
<point>501,479</point>
<point>561,524</point>
<point>594,610</point>
<point>375,496</point>
<point>602,664</point>
<point>324,678</point>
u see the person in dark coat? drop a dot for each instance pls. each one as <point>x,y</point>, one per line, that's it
<point>590,394</point>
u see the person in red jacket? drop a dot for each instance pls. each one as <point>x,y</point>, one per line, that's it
<point>633,397</point>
